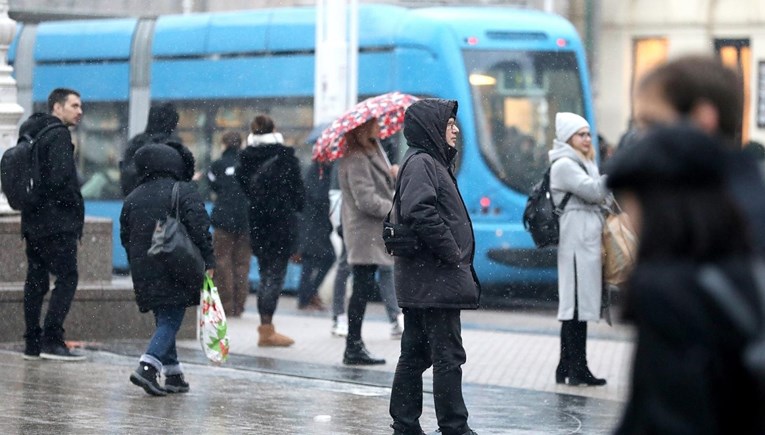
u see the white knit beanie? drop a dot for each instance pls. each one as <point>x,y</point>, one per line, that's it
<point>567,123</point>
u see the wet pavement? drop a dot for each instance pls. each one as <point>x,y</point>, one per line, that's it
<point>305,390</point>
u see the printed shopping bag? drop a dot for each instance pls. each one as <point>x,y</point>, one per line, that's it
<point>212,328</point>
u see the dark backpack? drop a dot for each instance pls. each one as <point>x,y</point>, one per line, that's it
<point>128,169</point>
<point>541,217</point>
<point>20,171</point>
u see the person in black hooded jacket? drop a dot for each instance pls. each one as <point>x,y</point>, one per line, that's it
<point>160,167</point>
<point>269,174</point>
<point>434,285</point>
<point>52,228</point>
<point>231,238</point>
<point>163,119</point>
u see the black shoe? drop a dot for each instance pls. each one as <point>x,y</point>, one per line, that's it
<point>176,384</point>
<point>32,351</point>
<point>402,432</point>
<point>585,377</point>
<point>145,376</point>
<point>59,352</point>
<point>357,355</point>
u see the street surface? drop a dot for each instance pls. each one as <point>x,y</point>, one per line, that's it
<point>509,382</point>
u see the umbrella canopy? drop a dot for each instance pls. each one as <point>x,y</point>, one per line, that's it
<point>387,108</point>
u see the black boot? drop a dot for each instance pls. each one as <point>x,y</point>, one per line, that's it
<point>145,376</point>
<point>176,384</point>
<point>561,372</point>
<point>357,354</point>
<point>579,373</point>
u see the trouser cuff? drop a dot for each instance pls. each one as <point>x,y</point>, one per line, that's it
<point>152,361</point>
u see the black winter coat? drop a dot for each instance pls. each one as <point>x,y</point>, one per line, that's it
<point>442,274</point>
<point>315,226</point>
<point>160,167</point>
<point>231,205</point>
<point>276,194</point>
<point>688,376</point>
<point>61,209</point>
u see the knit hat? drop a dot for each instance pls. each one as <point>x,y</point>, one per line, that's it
<point>567,123</point>
<point>677,156</point>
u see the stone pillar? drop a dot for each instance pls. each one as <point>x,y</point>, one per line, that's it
<point>10,111</point>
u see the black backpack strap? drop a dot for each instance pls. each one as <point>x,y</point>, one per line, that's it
<point>568,195</point>
<point>42,132</point>
<point>175,199</point>
<point>398,186</point>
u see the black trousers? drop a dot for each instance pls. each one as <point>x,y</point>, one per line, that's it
<point>272,272</point>
<point>431,337</point>
<point>56,255</point>
<point>364,287</point>
<point>315,268</point>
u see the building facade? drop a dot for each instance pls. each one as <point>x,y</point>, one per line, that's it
<point>636,35</point>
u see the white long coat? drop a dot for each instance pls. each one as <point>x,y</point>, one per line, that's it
<point>581,226</point>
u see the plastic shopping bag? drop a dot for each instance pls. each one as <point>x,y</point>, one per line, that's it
<point>212,328</point>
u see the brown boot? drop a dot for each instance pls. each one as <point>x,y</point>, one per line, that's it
<point>270,338</point>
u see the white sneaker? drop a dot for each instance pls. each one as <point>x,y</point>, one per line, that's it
<point>340,328</point>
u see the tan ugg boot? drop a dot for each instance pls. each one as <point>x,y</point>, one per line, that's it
<point>270,338</point>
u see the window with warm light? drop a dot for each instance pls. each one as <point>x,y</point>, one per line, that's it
<point>737,54</point>
<point>647,54</point>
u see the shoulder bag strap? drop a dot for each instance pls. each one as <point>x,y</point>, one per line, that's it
<point>719,287</point>
<point>398,186</point>
<point>175,200</point>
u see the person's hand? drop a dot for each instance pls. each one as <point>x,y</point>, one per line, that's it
<point>394,171</point>
<point>210,272</point>
<point>197,176</point>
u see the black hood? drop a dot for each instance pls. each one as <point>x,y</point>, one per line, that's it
<point>425,124</point>
<point>37,122</point>
<point>162,119</point>
<point>159,160</point>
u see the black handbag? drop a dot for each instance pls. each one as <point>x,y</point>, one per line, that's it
<point>399,239</point>
<point>172,246</point>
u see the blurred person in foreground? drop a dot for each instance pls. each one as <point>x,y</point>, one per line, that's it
<point>269,174</point>
<point>160,167</point>
<point>688,374</point>
<point>436,284</point>
<point>702,91</point>
<point>575,172</point>
<point>366,181</point>
<point>231,238</point>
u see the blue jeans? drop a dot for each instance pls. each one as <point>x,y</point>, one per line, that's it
<point>161,352</point>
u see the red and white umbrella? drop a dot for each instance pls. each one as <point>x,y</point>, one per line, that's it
<point>387,108</point>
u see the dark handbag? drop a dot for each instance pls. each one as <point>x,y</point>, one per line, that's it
<point>399,239</point>
<point>172,246</point>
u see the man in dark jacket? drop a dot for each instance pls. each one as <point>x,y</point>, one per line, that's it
<point>163,119</point>
<point>52,229</point>
<point>433,286</point>
<point>316,251</point>
<point>231,238</point>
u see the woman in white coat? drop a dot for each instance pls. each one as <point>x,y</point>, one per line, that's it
<point>574,171</point>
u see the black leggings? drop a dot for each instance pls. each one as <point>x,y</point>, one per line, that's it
<point>363,289</point>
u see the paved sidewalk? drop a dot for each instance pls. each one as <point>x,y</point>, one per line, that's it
<point>504,348</point>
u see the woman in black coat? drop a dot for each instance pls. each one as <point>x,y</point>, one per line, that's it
<point>269,174</point>
<point>160,167</point>
<point>689,375</point>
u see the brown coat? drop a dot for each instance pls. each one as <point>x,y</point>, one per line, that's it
<point>367,188</point>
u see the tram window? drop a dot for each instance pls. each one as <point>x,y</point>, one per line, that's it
<point>99,140</point>
<point>516,95</point>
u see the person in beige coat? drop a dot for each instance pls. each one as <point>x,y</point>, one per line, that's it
<point>366,181</point>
